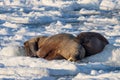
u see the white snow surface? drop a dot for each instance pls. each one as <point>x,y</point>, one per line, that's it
<point>21,20</point>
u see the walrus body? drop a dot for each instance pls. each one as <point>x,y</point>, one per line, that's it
<point>61,46</point>
<point>92,42</point>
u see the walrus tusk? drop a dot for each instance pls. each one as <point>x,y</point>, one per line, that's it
<point>70,59</point>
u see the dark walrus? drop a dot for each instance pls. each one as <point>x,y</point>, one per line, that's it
<point>92,42</point>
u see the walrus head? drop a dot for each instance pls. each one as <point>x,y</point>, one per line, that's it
<point>31,46</point>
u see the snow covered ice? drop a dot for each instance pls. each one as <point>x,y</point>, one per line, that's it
<point>21,20</point>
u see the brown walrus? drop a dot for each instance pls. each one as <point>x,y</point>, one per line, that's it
<point>92,42</point>
<point>61,46</point>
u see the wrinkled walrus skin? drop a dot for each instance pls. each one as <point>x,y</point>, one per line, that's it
<point>61,46</point>
<point>92,42</point>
